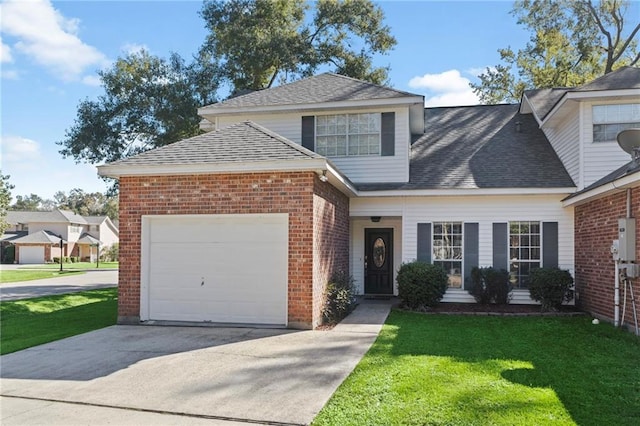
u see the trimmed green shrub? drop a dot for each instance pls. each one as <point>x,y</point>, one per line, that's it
<point>490,285</point>
<point>551,287</point>
<point>74,259</point>
<point>421,285</point>
<point>56,260</point>
<point>339,298</point>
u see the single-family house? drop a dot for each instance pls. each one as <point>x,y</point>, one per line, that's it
<point>246,223</point>
<point>35,237</point>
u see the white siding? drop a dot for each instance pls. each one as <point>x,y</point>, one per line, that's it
<point>600,158</point>
<point>484,210</point>
<point>359,169</point>
<point>565,140</point>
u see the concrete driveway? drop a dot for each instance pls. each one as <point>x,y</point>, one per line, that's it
<point>185,375</point>
<point>90,280</point>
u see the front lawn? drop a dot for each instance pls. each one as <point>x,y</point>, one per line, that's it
<point>31,322</point>
<point>12,276</point>
<point>78,265</point>
<point>477,370</point>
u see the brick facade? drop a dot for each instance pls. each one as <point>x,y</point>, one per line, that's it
<point>315,235</point>
<point>596,226</point>
<point>330,239</point>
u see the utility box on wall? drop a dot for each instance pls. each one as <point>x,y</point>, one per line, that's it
<point>627,238</point>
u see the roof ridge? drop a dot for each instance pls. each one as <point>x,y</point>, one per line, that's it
<point>368,83</point>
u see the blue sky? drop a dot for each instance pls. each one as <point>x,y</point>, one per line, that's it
<point>51,51</point>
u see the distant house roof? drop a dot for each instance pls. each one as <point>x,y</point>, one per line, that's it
<point>240,143</point>
<point>10,236</point>
<point>322,88</point>
<point>95,220</point>
<point>88,239</point>
<point>481,147</point>
<point>40,237</point>
<point>544,100</point>
<point>55,216</point>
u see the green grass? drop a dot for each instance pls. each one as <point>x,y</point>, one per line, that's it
<point>31,322</point>
<point>13,276</point>
<point>473,370</point>
<point>78,265</point>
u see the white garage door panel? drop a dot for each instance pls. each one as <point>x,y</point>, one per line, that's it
<point>31,254</point>
<point>222,268</point>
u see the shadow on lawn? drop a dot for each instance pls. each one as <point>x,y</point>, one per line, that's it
<point>594,370</point>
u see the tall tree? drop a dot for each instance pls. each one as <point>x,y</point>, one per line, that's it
<point>5,200</point>
<point>87,203</point>
<point>147,102</point>
<point>260,42</point>
<point>572,42</point>
<point>31,202</point>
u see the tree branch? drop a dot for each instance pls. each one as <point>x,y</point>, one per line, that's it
<point>607,34</point>
<point>626,43</point>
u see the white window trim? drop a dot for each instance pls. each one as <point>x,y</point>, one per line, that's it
<point>539,261</point>
<point>461,260</point>
<point>347,134</point>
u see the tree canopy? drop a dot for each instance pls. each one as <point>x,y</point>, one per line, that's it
<point>572,42</point>
<point>147,102</point>
<point>77,201</point>
<point>5,200</point>
<point>256,43</point>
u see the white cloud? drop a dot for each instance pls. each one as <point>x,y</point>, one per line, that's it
<point>448,88</point>
<point>131,48</point>
<point>92,80</point>
<point>17,150</point>
<point>10,74</point>
<point>5,53</point>
<point>49,38</point>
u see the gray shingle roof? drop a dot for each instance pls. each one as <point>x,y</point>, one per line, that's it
<point>40,237</point>
<point>622,78</point>
<point>327,87</point>
<point>239,143</point>
<point>55,216</point>
<point>543,100</point>
<point>479,147</point>
<point>88,239</point>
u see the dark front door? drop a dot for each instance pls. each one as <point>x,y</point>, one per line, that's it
<point>378,261</point>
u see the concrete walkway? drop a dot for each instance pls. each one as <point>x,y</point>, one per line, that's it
<point>90,280</point>
<point>185,375</point>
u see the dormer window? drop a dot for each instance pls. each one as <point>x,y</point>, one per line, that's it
<point>609,120</point>
<point>348,134</point>
<point>342,135</point>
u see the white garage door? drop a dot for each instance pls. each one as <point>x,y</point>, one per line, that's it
<point>215,268</point>
<point>31,254</point>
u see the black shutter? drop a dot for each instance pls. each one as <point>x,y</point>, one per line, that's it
<point>471,251</point>
<point>424,242</point>
<point>500,246</point>
<point>550,244</point>
<point>388,134</point>
<point>308,132</point>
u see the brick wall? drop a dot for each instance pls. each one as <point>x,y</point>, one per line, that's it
<point>330,240</point>
<point>290,192</point>
<point>596,226</point>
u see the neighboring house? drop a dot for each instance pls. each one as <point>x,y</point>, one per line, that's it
<point>246,223</point>
<point>36,236</point>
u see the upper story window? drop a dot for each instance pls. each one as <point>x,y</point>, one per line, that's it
<point>609,120</point>
<point>348,134</point>
<point>344,135</point>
